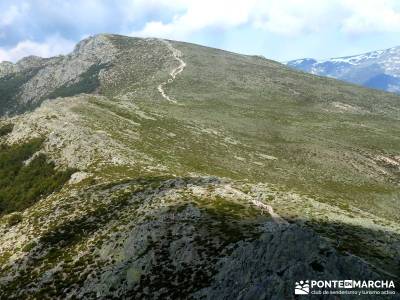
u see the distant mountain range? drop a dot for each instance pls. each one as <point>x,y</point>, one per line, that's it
<point>378,69</point>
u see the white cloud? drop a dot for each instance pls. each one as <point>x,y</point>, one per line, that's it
<point>28,21</point>
<point>12,13</point>
<point>288,17</point>
<point>285,17</point>
<point>371,16</point>
<point>292,17</point>
<point>52,46</point>
<point>200,15</point>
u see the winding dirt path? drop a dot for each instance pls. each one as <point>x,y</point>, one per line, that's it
<point>175,72</point>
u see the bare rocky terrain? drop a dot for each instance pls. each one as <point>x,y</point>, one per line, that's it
<point>237,178</point>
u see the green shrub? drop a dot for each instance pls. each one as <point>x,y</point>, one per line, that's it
<point>14,219</point>
<point>28,247</point>
<point>6,129</point>
<point>10,87</point>
<point>21,185</point>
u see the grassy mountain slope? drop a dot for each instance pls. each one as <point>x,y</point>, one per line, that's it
<point>328,137</point>
<point>258,176</point>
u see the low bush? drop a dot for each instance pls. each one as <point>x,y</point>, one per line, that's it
<point>6,129</point>
<point>21,183</point>
<point>14,219</point>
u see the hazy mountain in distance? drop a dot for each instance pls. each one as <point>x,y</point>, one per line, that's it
<point>378,69</point>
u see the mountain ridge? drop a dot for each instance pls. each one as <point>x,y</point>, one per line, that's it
<point>255,165</point>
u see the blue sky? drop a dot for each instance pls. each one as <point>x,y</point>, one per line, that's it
<point>277,29</point>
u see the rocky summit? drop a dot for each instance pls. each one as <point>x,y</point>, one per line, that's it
<point>154,169</point>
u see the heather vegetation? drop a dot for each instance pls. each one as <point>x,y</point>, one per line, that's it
<point>6,129</point>
<point>10,87</point>
<point>26,177</point>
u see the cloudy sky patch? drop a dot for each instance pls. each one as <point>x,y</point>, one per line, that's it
<point>277,29</point>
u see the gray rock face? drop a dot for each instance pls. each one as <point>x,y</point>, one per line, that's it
<point>6,68</point>
<point>30,62</point>
<point>37,79</point>
<point>269,267</point>
<point>98,64</point>
<point>96,49</point>
<point>66,70</point>
<point>25,64</point>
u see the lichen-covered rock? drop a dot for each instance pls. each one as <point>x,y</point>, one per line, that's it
<point>269,267</point>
